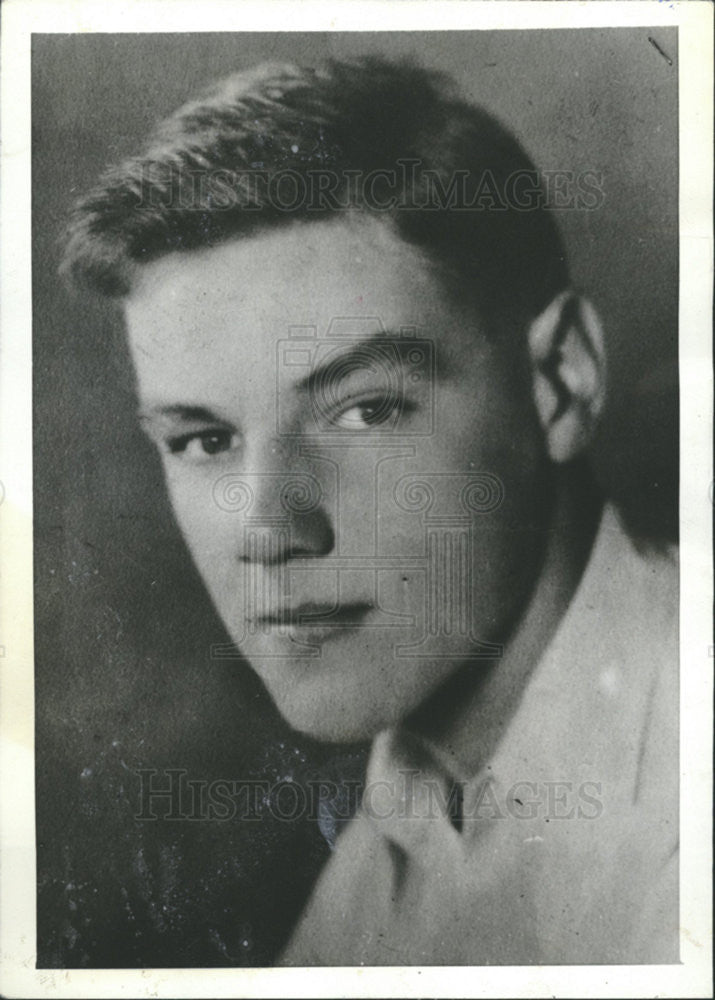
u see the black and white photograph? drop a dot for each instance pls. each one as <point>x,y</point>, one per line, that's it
<point>360,471</point>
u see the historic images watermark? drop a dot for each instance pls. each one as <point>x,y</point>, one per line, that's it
<point>369,407</point>
<point>171,794</point>
<point>409,186</point>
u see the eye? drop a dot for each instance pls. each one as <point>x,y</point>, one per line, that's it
<point>201,446</point>
<point>369,413</point>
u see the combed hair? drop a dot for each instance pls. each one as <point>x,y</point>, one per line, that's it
<point>205,177</point>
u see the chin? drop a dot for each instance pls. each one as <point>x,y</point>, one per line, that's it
<point>337,699</point>
<point>324,713</point>
<point>331,723</point>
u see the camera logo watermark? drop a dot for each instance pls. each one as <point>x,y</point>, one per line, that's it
<point>404,559</point>
<point>394,364</point>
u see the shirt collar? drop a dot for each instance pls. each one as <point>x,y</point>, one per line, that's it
<point>468,739</point>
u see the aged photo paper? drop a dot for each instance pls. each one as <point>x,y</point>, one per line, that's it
<point>356,499</point>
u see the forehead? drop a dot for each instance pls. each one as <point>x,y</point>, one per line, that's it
<point>306,273</point>
<point>204,325</point>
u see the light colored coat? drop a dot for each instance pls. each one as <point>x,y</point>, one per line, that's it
<point>567,847</point>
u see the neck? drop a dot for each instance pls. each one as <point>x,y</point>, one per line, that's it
<point>464,719</point>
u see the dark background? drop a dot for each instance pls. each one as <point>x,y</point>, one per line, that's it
<point>124,674</point>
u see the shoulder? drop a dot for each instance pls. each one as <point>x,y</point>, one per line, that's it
<point>624,613</point>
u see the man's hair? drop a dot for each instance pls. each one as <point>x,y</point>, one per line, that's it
<point>282,144</point>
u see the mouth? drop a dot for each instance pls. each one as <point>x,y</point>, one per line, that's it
<point>313,622</point>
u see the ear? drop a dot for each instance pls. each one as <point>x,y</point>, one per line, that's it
<point>569,374</point>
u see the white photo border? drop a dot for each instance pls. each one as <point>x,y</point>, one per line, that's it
<point>18,975</point>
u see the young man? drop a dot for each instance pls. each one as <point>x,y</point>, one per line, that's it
<point>372,388</point>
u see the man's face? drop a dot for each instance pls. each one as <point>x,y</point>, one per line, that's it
<point>352,463</point>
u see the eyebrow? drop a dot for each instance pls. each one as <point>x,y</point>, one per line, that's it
<point>309,381</point>
<point>191,413</point>
<point>184,412</point>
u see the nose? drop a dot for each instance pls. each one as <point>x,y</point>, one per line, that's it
<point>283,507</point>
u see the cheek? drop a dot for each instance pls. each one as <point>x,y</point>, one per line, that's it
<point>485,428</point>
<point>208,530</point>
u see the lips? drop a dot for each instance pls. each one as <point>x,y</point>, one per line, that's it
<point>312,615</point>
